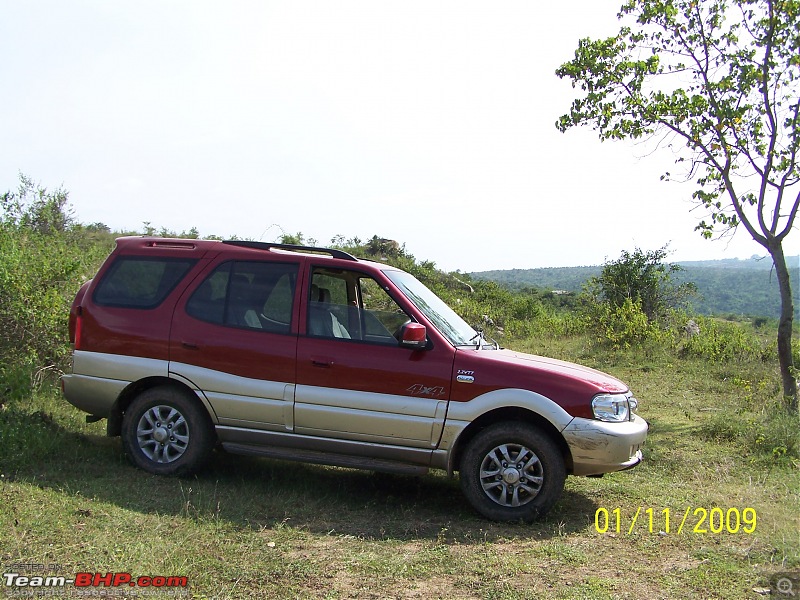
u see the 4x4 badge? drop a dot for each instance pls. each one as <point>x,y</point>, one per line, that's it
<point>424,390</point>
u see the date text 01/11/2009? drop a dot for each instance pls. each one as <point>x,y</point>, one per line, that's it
<point>697,520</point>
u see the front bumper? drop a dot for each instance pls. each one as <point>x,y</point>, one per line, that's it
<point>603,447</point>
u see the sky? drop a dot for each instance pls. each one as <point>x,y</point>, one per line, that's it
<point>427,122</point>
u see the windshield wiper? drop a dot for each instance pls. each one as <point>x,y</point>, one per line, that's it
<point>480,335</point>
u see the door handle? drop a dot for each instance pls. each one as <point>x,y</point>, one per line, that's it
<point>190,346</point>
<point>322,362</point>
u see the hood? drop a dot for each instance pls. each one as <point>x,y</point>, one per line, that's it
<point>560,368</point>
<point>567,384</point>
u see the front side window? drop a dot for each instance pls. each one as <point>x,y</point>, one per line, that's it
<point>138,282</point>
<point>351,305</point>
<point>249,295</point>
<point>382,315</point>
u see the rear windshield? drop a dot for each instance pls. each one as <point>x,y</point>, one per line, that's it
<point>135,282</point>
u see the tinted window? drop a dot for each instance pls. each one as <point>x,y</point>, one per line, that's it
<point>383,318</point>
<point>350,305</point>
<point>140,282</point>
<point>251,295</point>
<point>208,301</point>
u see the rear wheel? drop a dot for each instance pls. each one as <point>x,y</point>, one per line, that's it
<point>166,432</point>
<point>512,472</point>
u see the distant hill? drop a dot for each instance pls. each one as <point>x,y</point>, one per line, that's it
<point>762,263</point>
<point>728,286</point>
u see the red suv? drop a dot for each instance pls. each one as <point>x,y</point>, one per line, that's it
<point>314,355</point>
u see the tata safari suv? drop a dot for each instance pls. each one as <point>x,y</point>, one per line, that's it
<point>314,355</point>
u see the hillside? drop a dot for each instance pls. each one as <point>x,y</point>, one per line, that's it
<point>728,286</point>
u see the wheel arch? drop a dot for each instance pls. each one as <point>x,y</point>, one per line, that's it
<point>508,413</point>
<point>114,425</point>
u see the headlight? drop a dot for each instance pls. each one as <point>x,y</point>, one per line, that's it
<point>613,407</point>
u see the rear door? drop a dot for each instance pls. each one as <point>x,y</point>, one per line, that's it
<point>234,337</point>
<point>355,382</point>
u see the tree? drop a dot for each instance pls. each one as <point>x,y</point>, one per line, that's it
<point>717,82</point>
<point>35,208</point>
<point>296,240</point>
<point>642,277</point>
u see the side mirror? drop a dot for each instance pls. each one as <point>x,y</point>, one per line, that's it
<point>413,335</point>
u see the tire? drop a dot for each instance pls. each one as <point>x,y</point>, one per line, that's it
<point>512,472</point>
<point>167,432</point>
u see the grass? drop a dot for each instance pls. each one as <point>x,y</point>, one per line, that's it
<point>255,527</point>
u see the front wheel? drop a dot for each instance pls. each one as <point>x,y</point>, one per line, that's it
<point>512,472</point>
<point>166,432</point>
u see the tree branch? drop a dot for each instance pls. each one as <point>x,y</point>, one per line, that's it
<point>773,136</point>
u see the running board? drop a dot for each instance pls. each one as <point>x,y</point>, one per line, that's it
<point>327,458</point>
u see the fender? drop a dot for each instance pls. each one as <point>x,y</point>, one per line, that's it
<point>461,415</point>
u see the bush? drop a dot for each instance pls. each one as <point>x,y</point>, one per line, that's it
<point>632,300</point>
<point>720,341</point>
<point>623,326</point>
<point>43,258</point>
<point>643,278</point>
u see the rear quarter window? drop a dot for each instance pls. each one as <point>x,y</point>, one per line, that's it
<point>137,282</point>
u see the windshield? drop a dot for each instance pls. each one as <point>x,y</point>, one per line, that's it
<point>444,318</point>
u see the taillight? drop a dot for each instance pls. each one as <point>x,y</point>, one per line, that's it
<point>75,317</point>
<point>78,329</point>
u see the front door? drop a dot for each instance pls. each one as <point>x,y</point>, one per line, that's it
<point>354,380</point>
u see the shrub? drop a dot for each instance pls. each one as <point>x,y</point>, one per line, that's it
<point>720,341</point>
<point>632,300</point>
<point>622,326</point>
<point>43,257</point>
<point>643,278</point>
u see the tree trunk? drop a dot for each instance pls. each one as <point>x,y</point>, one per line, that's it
<point>785,358</point>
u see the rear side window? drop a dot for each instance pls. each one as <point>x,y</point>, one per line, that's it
<point>136,282</point>
<point>248,295</point>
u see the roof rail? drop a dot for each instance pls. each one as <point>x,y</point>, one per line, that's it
<point>269,245</point>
